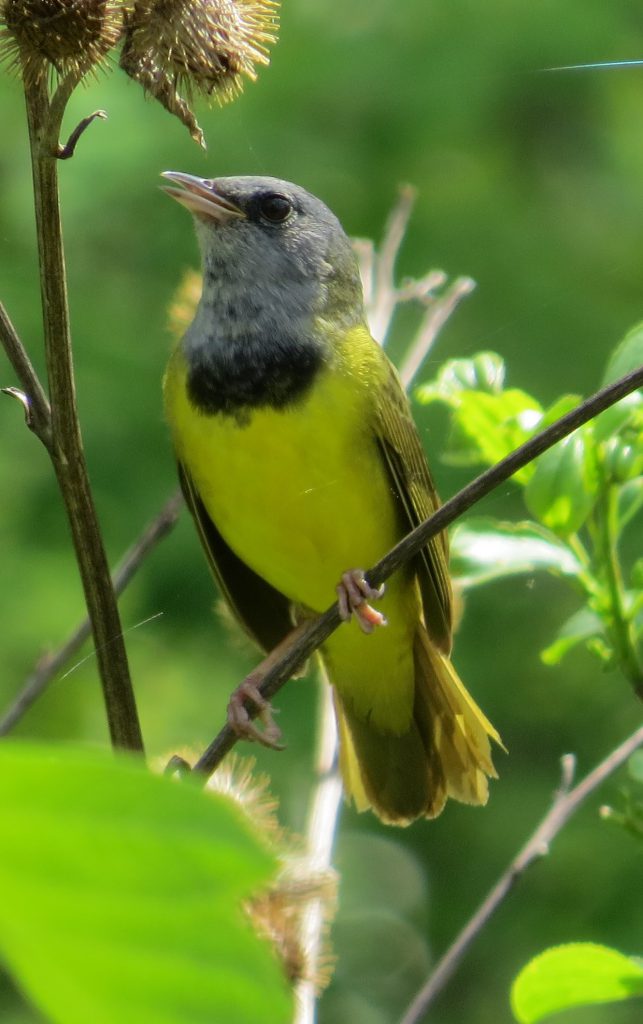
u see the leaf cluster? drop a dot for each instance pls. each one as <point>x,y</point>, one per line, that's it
<point>581,496</point>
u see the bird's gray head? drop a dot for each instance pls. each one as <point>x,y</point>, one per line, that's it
<point>274,240</point>
<point>280,279</point>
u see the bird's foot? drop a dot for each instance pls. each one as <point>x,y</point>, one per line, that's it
<point>239,718</point>
<point>353,594</point>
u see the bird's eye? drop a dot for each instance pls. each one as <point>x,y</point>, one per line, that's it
<point>275,207</point>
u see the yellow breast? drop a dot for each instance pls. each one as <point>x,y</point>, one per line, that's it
<point>300,494</point>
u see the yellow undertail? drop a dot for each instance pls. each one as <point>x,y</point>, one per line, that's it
<point>445,753</point>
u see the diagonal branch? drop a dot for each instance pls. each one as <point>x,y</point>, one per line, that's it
<point>566,803</point>
<point>50,664</point>
<point>320,628</point>
<point>36,402</point>
<point>66,449</point>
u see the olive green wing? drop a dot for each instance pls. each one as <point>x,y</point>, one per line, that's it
<point>262,611</point>
<point>411,481</point>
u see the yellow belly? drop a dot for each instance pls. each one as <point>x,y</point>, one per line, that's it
<point>302,495</point>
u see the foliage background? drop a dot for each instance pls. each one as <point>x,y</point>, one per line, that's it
<point>530,182</point>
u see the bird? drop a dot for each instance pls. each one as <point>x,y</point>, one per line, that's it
<point>300,462</point>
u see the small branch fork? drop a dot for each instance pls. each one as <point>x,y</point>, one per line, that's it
<point>51,663</point>
<point>58,426</point>
<point>319,629</point>
<point>68,150</point>
<point>566,802</point>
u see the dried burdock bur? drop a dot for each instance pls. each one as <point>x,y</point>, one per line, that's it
<point>279,911</point>
<point>68,36</point>
<point>197,47</point>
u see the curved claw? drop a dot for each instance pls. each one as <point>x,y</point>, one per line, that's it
<point>240,721</point>
<point>353,594</point>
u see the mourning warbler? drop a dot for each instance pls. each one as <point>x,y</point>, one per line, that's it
<point>299,461</point>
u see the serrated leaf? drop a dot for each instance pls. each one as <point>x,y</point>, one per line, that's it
<point>577,974</point>
<point>485,371</point>
<point>627,356</point>
<point>559,408</point>
<point>562,490</point>
<point>122,893</point>
<point>485,549</point>
<point>579,627</point>
<point>491,426</point>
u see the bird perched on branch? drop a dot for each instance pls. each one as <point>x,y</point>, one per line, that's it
<point>300,461</point>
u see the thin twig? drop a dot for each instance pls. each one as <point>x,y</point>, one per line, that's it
<point>39,413</point>
<point>378,268</point>
<point>433,321</point>
<point>320,628</point>
<point>566,802</point>
<point>50,664</point>
<point>323,817</point>
<point>67,151</point>
<point>67,450</point>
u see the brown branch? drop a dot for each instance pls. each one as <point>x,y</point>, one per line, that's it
<point>67,450</point>
<point>37,411</point>
<point>50,664</point>
<point>566,803</point>
<point>320,628</point>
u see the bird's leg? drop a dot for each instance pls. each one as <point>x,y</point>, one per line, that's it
<point>353,594</point>
<point>248,696</point>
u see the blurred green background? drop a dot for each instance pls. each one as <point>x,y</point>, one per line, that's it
<point>529,181</point>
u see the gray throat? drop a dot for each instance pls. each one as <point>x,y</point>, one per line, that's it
<point>247,350</point>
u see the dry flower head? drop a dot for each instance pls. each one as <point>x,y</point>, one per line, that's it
<point>278,911</point>
<point>197,47</point>
<point>63,36</point>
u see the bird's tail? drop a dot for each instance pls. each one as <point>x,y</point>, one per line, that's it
<point>445,752</point>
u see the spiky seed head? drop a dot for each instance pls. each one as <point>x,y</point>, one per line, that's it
<point>38,36</point>
<point>197,47</point>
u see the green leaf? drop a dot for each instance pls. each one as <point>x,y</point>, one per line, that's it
<point>618,416</point>
<point>484,372</point>
<point>485,549</point>
<point>627,356</point>
<point>562,490</point>
<point>580,627</point>
<point>559,408</point>
<point>122,894</point>
<point>578,974</point>
<point>487,427</point>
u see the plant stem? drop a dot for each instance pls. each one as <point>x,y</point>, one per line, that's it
<point>66,450</point>
<point>50,664</point>
<point>619,625</point>
<point>566,802</point>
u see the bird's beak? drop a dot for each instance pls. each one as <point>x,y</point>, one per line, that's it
<point>199,197</point>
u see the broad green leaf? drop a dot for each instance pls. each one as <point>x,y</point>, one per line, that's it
<point>580,627</point>
<point>122,895</point>
<point>578,974</point>
<point>484,549</point>
<point>484,372</point>
<point>559,408</point>
<point>562,489</point>
<point>627,356</point>
<point>488,427</point>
